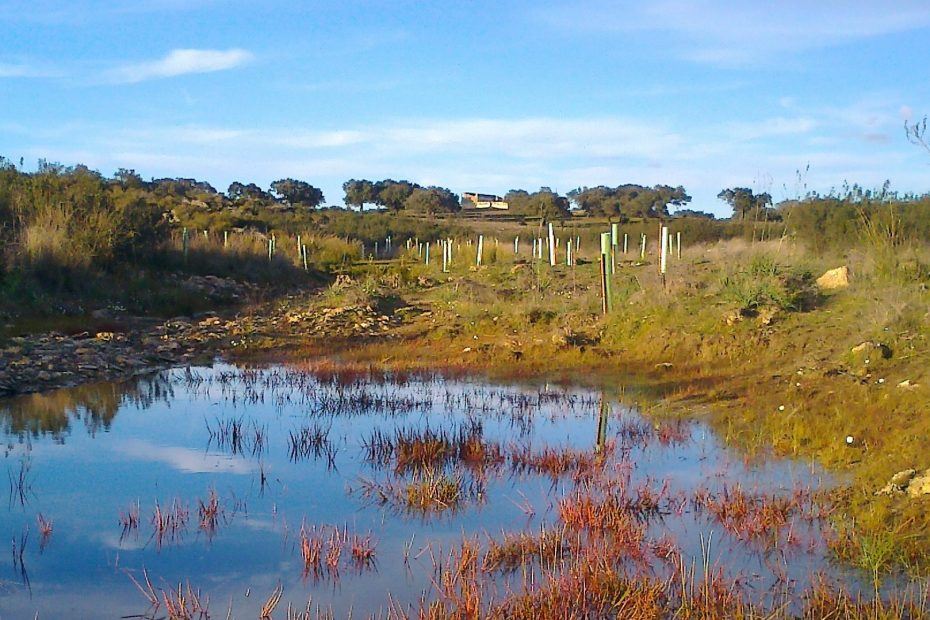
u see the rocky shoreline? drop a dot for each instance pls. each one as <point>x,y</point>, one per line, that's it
<point>36,363</point>
<point>41,362</point>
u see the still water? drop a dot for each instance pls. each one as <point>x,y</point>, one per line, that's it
<point>86,459</point>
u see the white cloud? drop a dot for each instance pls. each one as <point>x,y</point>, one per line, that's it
<point>180,62</point>
<point>7,70</point>
<point>523,138</point>
<point>771,127</point>
<point>737,32</point>
<point>25,70</point>
<point>497,154</point>
<point>184,459</point>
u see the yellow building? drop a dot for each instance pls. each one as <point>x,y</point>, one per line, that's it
<point>474,200</point>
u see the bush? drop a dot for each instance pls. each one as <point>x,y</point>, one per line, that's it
<point>765,283</point>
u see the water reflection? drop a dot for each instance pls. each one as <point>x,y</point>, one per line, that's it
<point>95,405</point>
<point>243,478</point>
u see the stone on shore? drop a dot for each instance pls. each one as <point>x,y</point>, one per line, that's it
<point>834,278</point>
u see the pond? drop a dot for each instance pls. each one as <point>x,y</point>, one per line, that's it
<point>349,491</point>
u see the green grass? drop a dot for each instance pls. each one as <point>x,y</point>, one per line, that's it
<point>785,387</point>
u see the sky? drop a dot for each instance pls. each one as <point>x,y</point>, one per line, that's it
<point>780,96</point>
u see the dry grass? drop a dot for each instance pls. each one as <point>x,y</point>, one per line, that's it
<point>782,382</point>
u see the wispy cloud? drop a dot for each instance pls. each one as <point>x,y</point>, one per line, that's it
<point>184,459</point>
<point>771,127</point>
<point>736,32</point>
<point>497,154</point>
<point>180,62</point>
<point>81,12</point>
<point>27,70</point>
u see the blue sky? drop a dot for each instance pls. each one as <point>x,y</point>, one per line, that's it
<point>479,95</point>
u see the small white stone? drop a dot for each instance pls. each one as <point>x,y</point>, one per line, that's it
<point>849,440</point>
<point>781,407</point>
<point>881,380</point>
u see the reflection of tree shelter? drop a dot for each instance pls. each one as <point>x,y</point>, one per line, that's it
<point>603,411</point>
<point>96,404</point>
<point>608,398</point>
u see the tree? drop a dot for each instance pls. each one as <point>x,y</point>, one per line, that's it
<point>393,194</point>
<point>128,178</point>
<point>432,200</point>
<point>181,187</point>
<point>630,200</point>
<point>544,203</point>
<point>917,133</point>
<point>294,192</point>
<point>693,213</point>
<point>247,193</point>
<point>744,202</point>
<point>359,193</point>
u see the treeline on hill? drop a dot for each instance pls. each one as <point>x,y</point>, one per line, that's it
<point>838,220</point>
<point>58,224</point>
<point>72,232</point>
<point>400,195</point>
<point>629,201</point>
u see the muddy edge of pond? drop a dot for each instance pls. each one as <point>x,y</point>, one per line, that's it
<point>39,362</point>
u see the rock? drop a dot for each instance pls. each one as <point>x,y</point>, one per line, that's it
<point>767,315</point>
<point>907,385</point>
<point>898,483</point>
<point>834,278</point>
<point>907,481</point>
<point>868,347</point>
<point>919,485</point>
<point>733,317</point>
<point>665,366</point>
<point>567,337</point>
<point>222,289</point>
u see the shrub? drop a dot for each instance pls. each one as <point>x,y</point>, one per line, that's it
<point>766,283</point>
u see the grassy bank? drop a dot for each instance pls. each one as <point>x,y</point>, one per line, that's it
<point>741,329</point>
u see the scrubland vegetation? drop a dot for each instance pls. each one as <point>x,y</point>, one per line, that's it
<point>73,240</point>
<point>737,331</point>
